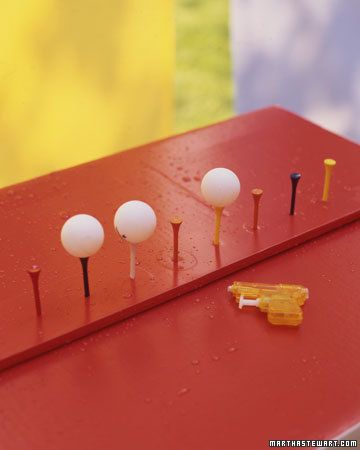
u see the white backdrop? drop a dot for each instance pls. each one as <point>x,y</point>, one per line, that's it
<point>300,54</point>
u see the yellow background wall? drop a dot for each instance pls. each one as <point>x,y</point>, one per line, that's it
<point>80,79</point>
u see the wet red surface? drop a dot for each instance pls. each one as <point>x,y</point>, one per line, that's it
<point>262,148</point>
<point>194,373</point>
<point>197,373</point>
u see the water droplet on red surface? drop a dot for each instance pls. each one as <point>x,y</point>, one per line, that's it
<point>183,391</point>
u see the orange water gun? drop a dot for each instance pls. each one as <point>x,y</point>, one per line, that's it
<point>281,302</point>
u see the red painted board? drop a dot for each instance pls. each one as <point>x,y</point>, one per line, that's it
<point>198,374</point>
<point>262,147</point>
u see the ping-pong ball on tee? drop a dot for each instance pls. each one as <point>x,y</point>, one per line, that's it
<point>135,221</point>
<point>220,187</point>
<point>82,235</point>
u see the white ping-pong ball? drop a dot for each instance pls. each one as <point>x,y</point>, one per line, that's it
<point>135,221</point>
<point>82,235</point>
<point>220,187</point>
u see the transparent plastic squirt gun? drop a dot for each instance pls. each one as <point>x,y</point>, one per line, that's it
<point>281,302</point>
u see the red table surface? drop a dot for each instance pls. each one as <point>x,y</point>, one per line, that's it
<point>196,373</point>
<point>261,147</point>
